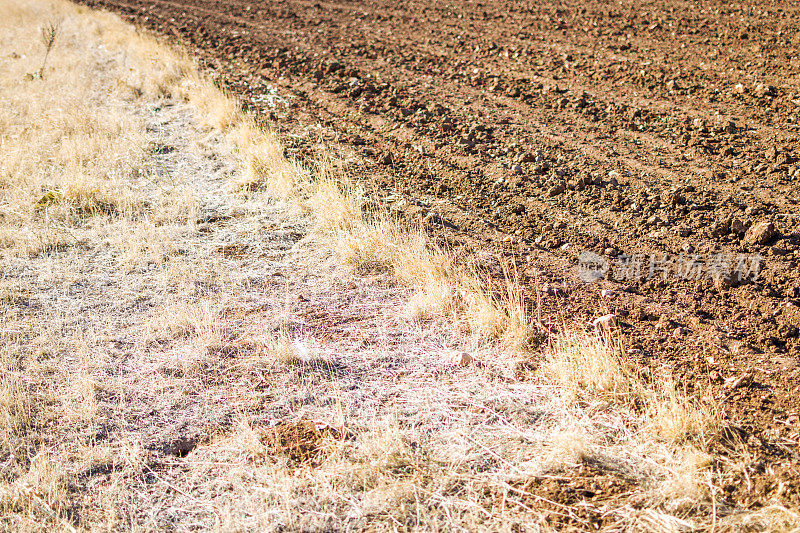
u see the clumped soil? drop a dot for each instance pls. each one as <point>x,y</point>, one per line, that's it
<point>545,129</point>
<point>301,442</point>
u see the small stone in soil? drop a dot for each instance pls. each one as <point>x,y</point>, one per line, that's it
<point>605,324</point>
<point>557,189</point>
<point>760,234</point>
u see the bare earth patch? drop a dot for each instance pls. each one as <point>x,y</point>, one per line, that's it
<point>199,334</point>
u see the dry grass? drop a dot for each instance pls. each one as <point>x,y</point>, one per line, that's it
<point>53,183</point>
<point>585,365</point>
<point>442,286</point>
<point>664,423</point>
<point>180,352</point>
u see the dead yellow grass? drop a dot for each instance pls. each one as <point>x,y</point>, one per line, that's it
<point>17,408</point>
<point>582,366</point>
<point>442,286</point>
<point>74,172</point>
<point>41,491</point>
<point>668,424</point>
<point>71,151</point>
<point>585,365</point>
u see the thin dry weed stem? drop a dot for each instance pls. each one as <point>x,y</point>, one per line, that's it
<point>49,34</point>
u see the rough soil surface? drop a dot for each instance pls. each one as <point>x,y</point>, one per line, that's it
<point>549,128</point>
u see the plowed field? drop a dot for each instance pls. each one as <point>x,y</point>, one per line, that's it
<point>657,134</point>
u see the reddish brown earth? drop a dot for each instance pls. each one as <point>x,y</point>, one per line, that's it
<point>633,127</point>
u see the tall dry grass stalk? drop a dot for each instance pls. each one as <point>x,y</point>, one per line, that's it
<point>49,34</point>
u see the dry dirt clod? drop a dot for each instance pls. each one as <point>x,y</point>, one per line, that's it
<point>465,142</point>
<point>302,442</point>
<point>761,90</point>
<point>664,323</point>
<point>461,359</point>
<point>605,323</point>
<point>556,189</point>
<point>722,282</point>
<point>771,154</point>
<point>541,167</point>
<point>761,233</point>
<point>526,157</point>
<point>738,226</point>
<point>721,228</point>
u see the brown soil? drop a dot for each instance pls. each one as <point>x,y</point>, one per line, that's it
<point>628,128</point>
<point>300,441</point>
